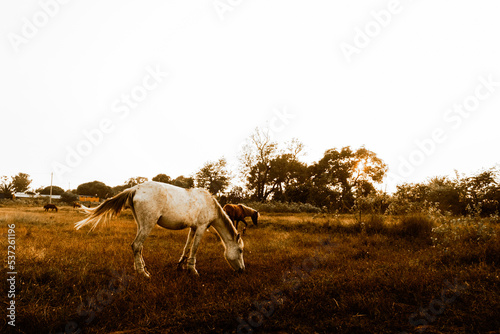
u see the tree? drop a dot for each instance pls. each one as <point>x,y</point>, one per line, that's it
<point>133,181</point>
<point>6,188</point>
<point>69,197</point>
<point>21,182</point>
<point>55,190</point>
<point>348,174</point>
<point>118,189</point>
<point>295,148</point>
<point>285,174</point>
<point>477,194</point>
<point>480,193</point>
<point>162,178</point>
<point>94,188</point>
<point>235,195</point>
<point>213,176</point>
<point>444,193</point>
<point>183,182</point>
<point>256,163</point>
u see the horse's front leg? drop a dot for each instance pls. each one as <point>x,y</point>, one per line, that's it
<point>191,262</point>
<point>181,264</point>
<point>245,227</point>
<point>235,223</point>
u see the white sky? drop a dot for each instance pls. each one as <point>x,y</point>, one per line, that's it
<point>233,65</point>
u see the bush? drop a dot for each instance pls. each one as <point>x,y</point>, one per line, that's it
<point>460,230</point>
<point>376,224</point>
<point>415,226</point>
<point>69,197</point>
<point>283,207</point>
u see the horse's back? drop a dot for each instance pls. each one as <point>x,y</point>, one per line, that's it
<point>234,211</point>
<point>178,207</point>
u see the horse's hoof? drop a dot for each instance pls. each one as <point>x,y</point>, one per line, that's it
<point>144,273</point>
<point>181,265</point>
<point>193,271</point>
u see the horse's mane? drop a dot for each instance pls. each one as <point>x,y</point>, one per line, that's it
<point>247,210</point>
<point>222,215</point>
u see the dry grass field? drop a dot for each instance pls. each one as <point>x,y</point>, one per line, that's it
<point>305,274</point>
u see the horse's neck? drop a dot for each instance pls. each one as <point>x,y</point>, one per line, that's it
<point>247,211</point>
<point>225,229</point>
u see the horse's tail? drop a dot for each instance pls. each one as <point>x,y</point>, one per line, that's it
<point>109,208</point>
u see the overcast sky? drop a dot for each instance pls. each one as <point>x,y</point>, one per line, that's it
<point>108,90</point>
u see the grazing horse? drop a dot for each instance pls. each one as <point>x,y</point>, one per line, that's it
<point>172,208</point>
<point>50,206</point>
<point>76,205</point>
<point>238,212</point>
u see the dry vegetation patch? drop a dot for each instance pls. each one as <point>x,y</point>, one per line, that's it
<point>305,273</point>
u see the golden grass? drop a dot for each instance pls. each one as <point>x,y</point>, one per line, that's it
<point>315,272</point>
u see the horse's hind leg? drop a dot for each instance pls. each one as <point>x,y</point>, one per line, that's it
<point>144,227</point>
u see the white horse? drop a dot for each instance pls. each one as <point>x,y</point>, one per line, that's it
<point>173,208</point>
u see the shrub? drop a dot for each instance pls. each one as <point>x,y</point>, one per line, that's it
<point>495,218</point>
<point>376,224</point>
<point>417,226</point>
<point>462,230</point>
<point>69,197</point>
<point>283,207</point>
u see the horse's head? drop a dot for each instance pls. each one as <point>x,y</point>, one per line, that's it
<point>255,217</point>
<point>234,254</point>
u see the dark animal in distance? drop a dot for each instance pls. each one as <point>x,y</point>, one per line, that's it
<point>49,206</point>
<point>76,205</point>
<point>238,212</point>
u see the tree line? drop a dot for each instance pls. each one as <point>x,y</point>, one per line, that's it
<point>343,180</point>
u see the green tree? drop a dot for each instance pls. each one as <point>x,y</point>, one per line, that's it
<point>345,174</point>
<point>285,175</point>
<point>94,188</point>
<point>6,188</point>
<point>133,181</point>
<point>21,182</point>
<point>480,193</point>
<point>118,189</point>
<point>444,193</point>
<point>213,176</point>
<point>55,190</point>
<point>183,182</point>
<point>69,197</point>
<point>162,178</point>
<point>235,195</point>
